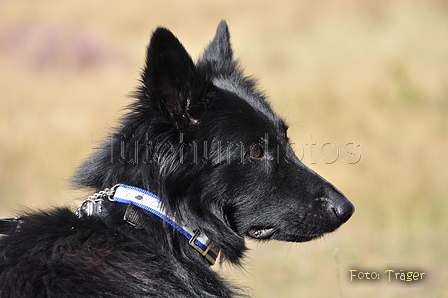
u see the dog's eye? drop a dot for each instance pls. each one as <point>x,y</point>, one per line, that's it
<point>256,151</point>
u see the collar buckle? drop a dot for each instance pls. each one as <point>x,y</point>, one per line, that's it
<point>210,252</point>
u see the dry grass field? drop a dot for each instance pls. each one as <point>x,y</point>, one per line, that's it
<point>363,84</point>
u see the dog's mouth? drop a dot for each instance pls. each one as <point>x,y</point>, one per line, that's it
<point>259,232</point>
<point>268,232</point>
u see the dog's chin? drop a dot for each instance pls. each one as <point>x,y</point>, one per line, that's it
<point>303,238</point>
<point>297,238</point>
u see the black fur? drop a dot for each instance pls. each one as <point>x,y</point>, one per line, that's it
<point>202,138</point>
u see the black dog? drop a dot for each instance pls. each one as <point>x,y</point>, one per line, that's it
<point>202,162</point>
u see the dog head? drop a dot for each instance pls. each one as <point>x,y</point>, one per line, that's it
<point>203,138</point>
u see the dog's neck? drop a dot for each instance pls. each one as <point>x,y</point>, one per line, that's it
<point>138,199</point>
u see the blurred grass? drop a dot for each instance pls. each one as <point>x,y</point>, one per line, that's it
<point>367,72</point>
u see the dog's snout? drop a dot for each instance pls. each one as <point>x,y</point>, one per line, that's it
<point>343,208</point>
<point>338,204</point>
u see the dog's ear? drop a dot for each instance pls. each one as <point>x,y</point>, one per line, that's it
<point>220,48</point>
<point>218,56</point>
<point>169,77</point>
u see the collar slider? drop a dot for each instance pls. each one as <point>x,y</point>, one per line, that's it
<point>210,252</point>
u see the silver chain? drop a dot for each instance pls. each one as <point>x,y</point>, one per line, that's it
<point>93,205</point>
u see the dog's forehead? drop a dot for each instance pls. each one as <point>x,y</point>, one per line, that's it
<point>255,99</point>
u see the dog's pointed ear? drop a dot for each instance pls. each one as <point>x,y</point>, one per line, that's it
<point>218,56</point>
<point>170,75</point>
<point>220,48</point>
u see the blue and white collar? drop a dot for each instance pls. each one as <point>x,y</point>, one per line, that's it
<point>145,200</point>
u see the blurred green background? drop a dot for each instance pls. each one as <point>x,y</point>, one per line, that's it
<point>372,74</point>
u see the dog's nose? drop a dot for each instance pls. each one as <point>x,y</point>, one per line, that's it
<point>339,204</point>
<point>343,208</point>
